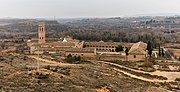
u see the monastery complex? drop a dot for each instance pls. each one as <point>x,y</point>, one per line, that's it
<point>88,50</point>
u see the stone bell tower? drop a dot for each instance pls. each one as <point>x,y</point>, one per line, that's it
<point>41,33</point>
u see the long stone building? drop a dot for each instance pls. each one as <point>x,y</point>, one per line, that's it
<point>105,46</point>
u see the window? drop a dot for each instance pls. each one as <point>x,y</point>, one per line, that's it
<point>82,54</point>
<point>134,56</point>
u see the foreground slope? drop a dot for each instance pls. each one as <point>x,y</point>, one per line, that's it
<point>18,74</point>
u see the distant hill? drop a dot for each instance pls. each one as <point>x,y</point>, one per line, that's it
<point>13,21</point>
<point>28,25</point>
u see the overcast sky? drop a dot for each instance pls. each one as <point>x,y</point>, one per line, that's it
<point>85,8</point>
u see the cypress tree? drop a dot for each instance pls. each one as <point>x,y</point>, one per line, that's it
<point>159,50</point>
<point>149,48</point>
<point>162,52</point>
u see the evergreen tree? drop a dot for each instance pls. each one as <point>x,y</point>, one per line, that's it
<point>69,56</point>
<point>162,52</point>
<point>126,51</point>
<point>119,48</point>
<point>149,48</point>
<point>79,58</point>
<point>159,50</point>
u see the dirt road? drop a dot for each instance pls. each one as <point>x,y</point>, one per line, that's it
<point>52,62</point>
<point>138,71</point>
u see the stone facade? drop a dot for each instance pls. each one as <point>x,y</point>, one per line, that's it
<point>105,46</point>
<point>41,33</point>
<point>86,53</point>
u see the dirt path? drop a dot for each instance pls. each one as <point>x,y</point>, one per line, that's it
<point>53,62</point>
<point>169,75</point>
<point>123,67</point>
<point>142,78</point>
<point>129,74</point>
<point>158,73</point>
<point>137,77</point>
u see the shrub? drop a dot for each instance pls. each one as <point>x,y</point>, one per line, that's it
<point>37,73</point>
<point>119,48</point>
<point>147,64</point>
<point>55,70</point>
<point>70,60</point>
<point>177,79</point>
<point>74,59</point>
<point>69,56</point>
<point>78,58</point>
<point>48,67</point>
<point>2,58</point>
<point>43,76</point>
<point>30,74</point>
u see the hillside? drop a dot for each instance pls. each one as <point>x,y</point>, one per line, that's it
<point>20,75</point>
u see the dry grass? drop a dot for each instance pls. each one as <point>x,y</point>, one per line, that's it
<point>91,77</point>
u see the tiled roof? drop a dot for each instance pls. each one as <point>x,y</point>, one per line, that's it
<point>56,44</point>
<point>138,48</point>
<point>107,43</point>
<point>81,50</point>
